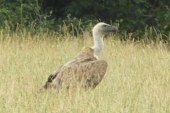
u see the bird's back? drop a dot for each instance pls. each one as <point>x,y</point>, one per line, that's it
<point>85,70</point>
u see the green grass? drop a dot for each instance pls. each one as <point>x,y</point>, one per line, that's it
<point>137,79</point>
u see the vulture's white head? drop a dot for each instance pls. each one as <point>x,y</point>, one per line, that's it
<point>99,31</point>
<point>102,28</point>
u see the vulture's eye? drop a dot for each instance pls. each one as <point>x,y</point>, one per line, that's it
<point>104,25</point>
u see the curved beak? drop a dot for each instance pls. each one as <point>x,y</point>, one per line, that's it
<point>112,28</point>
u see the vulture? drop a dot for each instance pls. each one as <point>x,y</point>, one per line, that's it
<point>85,70</point>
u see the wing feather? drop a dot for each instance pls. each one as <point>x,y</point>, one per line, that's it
<point>86,75</point>
<point>76,60</point>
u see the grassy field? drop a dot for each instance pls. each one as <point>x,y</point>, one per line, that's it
<point>137,79</point>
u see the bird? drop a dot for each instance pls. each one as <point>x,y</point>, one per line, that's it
<point>85,70</point>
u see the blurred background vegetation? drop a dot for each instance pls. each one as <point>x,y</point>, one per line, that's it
<point>75,16</point>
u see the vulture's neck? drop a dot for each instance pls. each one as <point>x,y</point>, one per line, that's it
<point>98,42</point>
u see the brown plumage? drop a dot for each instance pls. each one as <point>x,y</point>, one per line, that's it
<point>85,70</point>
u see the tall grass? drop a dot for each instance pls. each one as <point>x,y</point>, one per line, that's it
<point>137,79</point>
